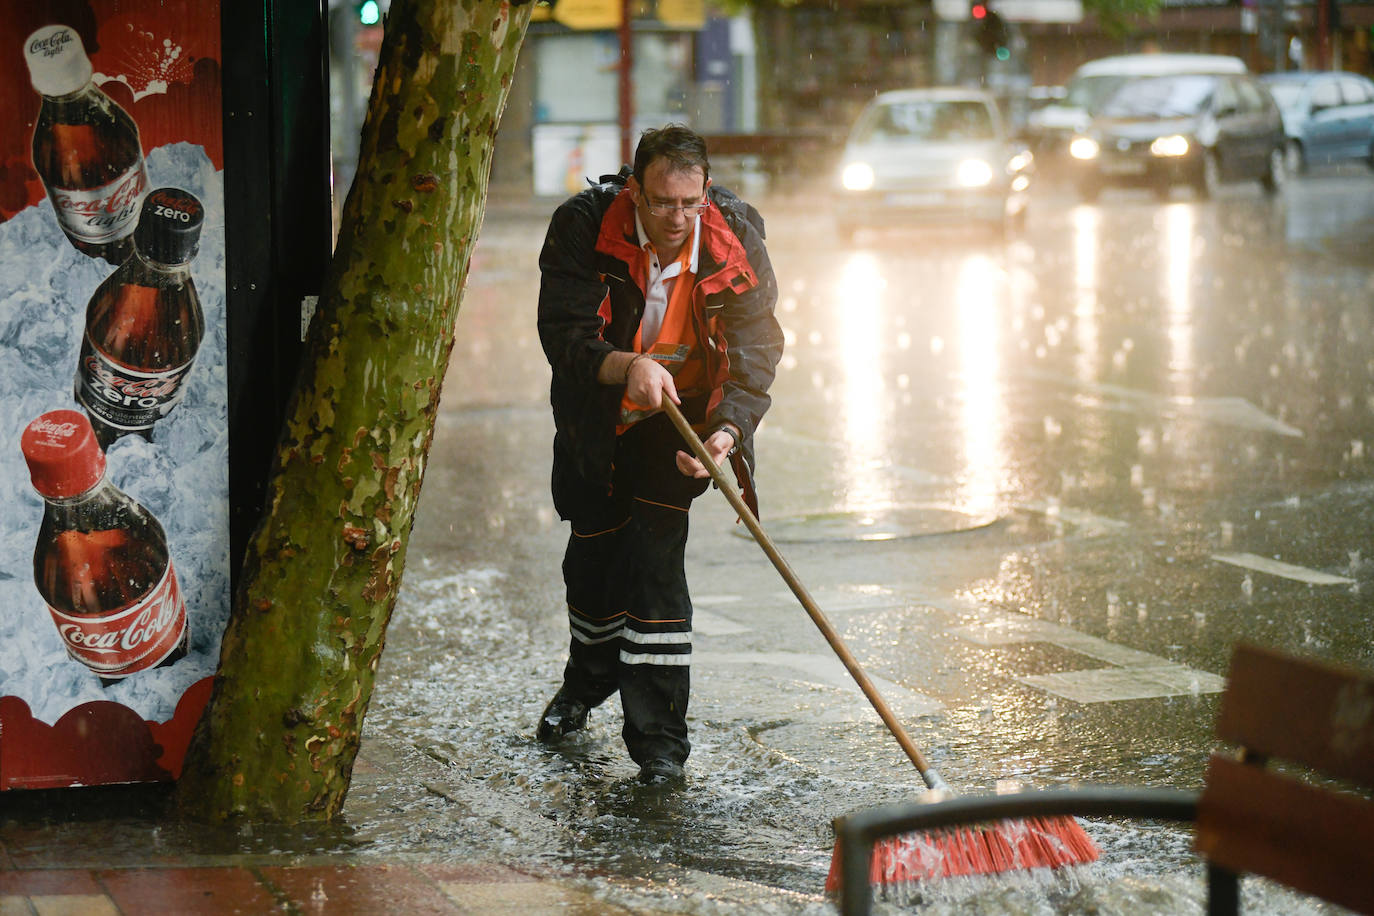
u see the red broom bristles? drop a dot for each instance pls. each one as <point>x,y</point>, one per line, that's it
<point>1038,842</point>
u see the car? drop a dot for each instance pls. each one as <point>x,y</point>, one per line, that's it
<point>1197,129</point>
<point>941,153</point>
<point>1050,127</point>
<point>1328,117</point>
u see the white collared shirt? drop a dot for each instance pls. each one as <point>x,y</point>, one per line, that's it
<point>659,281</point>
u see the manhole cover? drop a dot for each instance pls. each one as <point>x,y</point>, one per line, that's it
<point>879,525</point>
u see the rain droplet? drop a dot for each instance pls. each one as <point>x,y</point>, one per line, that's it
<point>1137,475</point>
<point>1247,585</point>
<point>1228,534</point>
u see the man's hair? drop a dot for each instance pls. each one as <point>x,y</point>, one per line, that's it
<point>681,146</point>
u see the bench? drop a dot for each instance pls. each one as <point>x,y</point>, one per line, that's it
<point>1314,832</point>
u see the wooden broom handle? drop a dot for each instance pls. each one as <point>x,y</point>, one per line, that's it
<point>812,609</point>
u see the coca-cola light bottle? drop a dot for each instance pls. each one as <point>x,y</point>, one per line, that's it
<point>144,323</point>
<point>101,563</point>
<point>85,147</point>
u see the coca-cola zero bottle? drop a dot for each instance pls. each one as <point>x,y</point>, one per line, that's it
<point>101,562</point>
<point>144,323</point>
<point>85,147</point>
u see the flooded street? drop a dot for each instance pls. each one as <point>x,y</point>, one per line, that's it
<point>1040,487</point>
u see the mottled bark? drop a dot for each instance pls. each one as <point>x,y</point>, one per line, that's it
<point>322,572</point>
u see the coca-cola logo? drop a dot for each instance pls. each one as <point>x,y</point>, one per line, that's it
<point>119,643</point>
<point>121,200</point>
<point>142,392</point>
<point>52,429</point>
<point>52,45</point>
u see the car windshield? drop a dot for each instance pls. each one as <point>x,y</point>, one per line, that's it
<point>926,119</point>
<point>1160,97</point>
<point>1285,94</point>
<point>1089,92</point>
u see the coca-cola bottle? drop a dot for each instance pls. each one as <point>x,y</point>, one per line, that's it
<point>85,147</point>
<point>144,323</point>
<point>101,563</point>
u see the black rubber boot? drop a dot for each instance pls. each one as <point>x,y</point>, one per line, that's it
<point>660,770</point>
<point>563,716</point>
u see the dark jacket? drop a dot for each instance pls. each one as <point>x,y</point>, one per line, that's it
<point>591,299</point>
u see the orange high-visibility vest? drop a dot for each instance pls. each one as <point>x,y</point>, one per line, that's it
<point>677,348</point>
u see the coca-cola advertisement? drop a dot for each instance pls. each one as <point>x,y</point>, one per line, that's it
<point>114,473</point>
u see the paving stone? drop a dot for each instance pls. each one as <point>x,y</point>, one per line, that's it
<point>72,905</point>
<point>361,889</point>
<point>199,891</point>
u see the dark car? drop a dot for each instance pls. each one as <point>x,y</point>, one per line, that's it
<point>1199,130</point>
<point>1329,117</point>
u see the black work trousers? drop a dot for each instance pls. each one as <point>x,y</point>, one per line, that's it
<point>629,611</point>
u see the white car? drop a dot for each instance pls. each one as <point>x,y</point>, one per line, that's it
<point>931,154</point>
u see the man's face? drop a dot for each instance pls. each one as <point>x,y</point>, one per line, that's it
<point>659,201</point>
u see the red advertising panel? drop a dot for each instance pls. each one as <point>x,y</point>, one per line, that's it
<point>114,466</point>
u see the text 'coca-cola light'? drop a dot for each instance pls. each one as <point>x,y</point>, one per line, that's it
<point>85,147</point>
<point>101,563</point>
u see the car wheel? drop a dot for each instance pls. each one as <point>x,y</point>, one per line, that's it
<point>1294,158</point>
<point>1209,175</point>
<point>1161,190</point>
<point>846,232</point>
<point>1089,189</point>
<point>1277,176</point>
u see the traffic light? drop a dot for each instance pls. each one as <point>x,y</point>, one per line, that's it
<point>369,12</point>
<point>991,31</point>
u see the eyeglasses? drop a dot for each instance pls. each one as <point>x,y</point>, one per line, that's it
<point>688,211</point>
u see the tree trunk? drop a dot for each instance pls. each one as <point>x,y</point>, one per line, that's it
<point>322,572</point>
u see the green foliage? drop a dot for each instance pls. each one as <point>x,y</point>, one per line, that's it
<point>1117,18</point>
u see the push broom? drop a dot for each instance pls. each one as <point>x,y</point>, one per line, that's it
<point>1006,845</point>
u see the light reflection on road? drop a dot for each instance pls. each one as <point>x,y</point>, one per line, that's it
<point>861,318</point>
<point>1178,279</point>
<point>1087,324</point>
<point>983,410</point>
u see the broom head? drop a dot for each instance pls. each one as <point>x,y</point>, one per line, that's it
<point>979,849</point>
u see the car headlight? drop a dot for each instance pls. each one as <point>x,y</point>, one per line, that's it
<point>857,176</point>
<point>1020,161</point>
<point>1084,148</point>
<point>974,173</point>
<point>1173,145</point>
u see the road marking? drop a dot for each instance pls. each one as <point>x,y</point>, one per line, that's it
<point>824,670</point>
<point>708,624</point>
<point>1277,568</point>
<point>1105,685</point>
<point>1138,675</point>
<point>1086,522</point>
<point>1223,411</point>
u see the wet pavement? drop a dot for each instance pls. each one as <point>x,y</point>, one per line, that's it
<point>1039,487</point>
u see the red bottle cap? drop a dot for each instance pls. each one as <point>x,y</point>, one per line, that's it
<point>63,455</point>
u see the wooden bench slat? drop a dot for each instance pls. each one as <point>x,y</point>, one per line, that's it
<point>1320,842</point>
<point>1317,714</point>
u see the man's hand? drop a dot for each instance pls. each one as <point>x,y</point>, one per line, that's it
<point>718,446</point>
<point>648,382</point>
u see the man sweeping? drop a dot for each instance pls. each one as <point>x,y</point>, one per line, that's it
<point>653,285</point>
